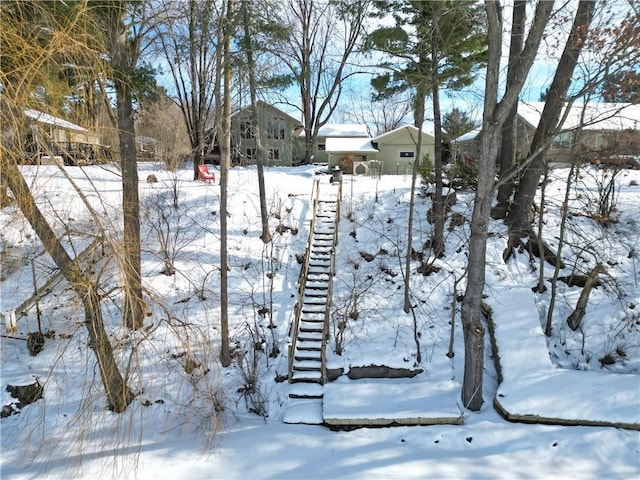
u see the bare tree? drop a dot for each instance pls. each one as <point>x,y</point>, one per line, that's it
<point>126,27</point>
<point>509,131</point>
<point>315,40</point>
<point>35,47</point>
<point>253,88</point>
<point>189,41</point>
<point>518,218</point>
<point>223,105</point>
<point>495,114</point>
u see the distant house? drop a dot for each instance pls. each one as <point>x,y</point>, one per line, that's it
<point>334,135</point>
<point>348,146</point>
<point>49,137</point>
<point>600,132</point>
<point>279,135</point>
<point>398,149</point>
<point>391,153</point>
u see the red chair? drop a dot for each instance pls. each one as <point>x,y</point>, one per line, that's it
<point>205,175</point>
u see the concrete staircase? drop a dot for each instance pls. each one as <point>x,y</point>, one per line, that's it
<point>307,368</point>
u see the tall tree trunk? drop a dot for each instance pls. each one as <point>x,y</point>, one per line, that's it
<point>494,116</point>
<point>225,160</point>
<point>118,394</point>
<point>419,119</point>
<point>266,234</point>
<point>518,218</point>
<point>133,311</point>
<point>509,131</point>
<point>439,213</point>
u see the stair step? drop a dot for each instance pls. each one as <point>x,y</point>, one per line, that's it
<point>313,327</point>
<point>312,317</point>
<point>318,277</point>
<point>314,300</point>
<point>314,336</point>
<point>309,308</point>
<point>319,288</point>
<point>308,376</point>
<point>307,355</point>
<point>307,365</point>
<point>306,390</point>
<point>308,345</point>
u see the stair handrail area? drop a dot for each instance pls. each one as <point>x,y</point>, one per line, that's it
<point>302,281</point>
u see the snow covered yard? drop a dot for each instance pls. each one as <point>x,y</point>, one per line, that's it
<point>192,419</point>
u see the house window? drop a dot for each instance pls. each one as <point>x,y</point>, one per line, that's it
<point>246,130</point>
<point>250,153</point>
<point>321,147</point>
<point>274,154</point>
<point>275,129</point>
<point>407,154</point>
<point>563,139</point>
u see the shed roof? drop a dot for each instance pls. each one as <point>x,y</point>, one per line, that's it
<point>398,131</point>
<point>349,144</point>
<point>342,130</point>
<point>47,119</point>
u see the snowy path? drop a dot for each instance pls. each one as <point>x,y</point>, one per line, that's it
<point>534,390</point>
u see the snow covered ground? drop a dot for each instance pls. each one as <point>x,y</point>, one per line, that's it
<point>193,419</point>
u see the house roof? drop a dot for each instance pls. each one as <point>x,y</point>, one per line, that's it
<point>398,131</point>
<point>265,105</point>
<point>469,136</point>
<point>51,120</point>
<point>342,130</point>
<point>349,144</point>
<point>590,116</point>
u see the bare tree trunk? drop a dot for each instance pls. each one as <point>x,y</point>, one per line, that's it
<point>439,213</point>
<point>133,311</point>
<point>575,319</point>
<point>266,234</point>
<point>493,119</point>
<point>518,218</point>
<point>419,119</point>
<point>117,392</point>
<point>509,131</point>
<point>225,160</point>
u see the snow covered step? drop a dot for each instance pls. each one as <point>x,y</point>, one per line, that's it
<point>315,300</point>
<point>316,292</point>
<point>306,411</point>
<point>306,376</point>
<point>309,345</point>
<point>313,308</point>
<point>319,270</point>
<point>305,336</point>
<point>316,289</point>
<point>310,366</point>
<point>306,390</point>
<point>319,262</point>
<point>317,277</point>
<point>301,354</point>
<point>307,354</point>
<point>328,250</point>
<point>313,317</point>
<point>312,327</point>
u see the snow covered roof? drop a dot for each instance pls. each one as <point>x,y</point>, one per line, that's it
<point>51,120</point>
<point>342,130</point>
<point>396,131</point>
<point>349,144</point>
<point>469,135</point>
<point>590,116</point>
